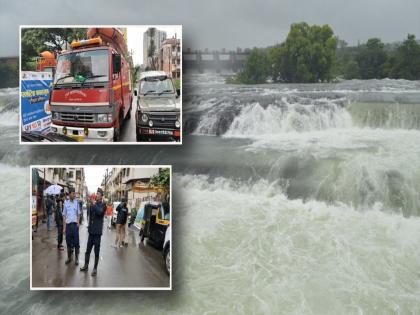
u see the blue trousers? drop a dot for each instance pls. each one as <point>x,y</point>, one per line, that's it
<point>49,221</point>
<point>72,236</point>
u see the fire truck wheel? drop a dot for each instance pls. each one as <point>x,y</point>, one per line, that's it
<point>117,131</point>
<point>129,113</point>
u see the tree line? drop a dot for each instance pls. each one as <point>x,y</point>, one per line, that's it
<point>313,54</point>
<point>9,72</point>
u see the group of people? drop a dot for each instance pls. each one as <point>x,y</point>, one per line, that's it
<point>68,217</point>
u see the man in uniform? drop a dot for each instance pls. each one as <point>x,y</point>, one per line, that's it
<point>71,217</point>
<point>96,221</point>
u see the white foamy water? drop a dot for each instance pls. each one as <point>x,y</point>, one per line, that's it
<point>9,118</point>
<point>244,249</point>
<point>307,203</point>
<point>254,120</point>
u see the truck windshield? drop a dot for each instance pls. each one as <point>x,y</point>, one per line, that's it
<point>156,86</point>
<point>83,66</point>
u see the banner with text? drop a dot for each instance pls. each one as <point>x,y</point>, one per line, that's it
<point>35,93</point>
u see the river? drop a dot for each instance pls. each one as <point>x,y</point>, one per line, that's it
<point>288,199</point>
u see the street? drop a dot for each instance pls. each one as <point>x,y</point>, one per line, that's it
<point>132,266</point>
<point>128,132</point>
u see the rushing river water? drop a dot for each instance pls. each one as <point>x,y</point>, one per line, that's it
<point>294,199</point>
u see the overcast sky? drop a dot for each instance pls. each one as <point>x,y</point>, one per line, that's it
<point>93,177</point>
<point>135,38</point>
<point>216,24</point>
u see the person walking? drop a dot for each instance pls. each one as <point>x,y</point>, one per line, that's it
<point>71,216</point>
<point>50,209</point>
<point>122,213</point>
<point>80,207</point>
<point>109,214</point>
<point>96,221</point>
<point>59,222</point>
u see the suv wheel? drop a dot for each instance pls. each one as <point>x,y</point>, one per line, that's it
<point>167,256</point>
<point>117,131</point>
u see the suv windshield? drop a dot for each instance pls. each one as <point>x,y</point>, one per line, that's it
<point>156,85</point>
<point>78,67</point>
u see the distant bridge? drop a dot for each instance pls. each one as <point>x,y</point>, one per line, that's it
<point>217,61</point>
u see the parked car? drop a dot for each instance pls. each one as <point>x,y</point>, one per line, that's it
<point>166,252</point>
<point>158,108</point>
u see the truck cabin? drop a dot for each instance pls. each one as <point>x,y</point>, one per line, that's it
<point>89,63</point>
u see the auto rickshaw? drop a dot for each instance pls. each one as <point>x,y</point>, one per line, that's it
<point>154,223</point>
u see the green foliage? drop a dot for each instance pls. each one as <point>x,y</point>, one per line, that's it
<point>372,59</point>
<point>162,179</point>
<point>177,84</point>
<point>405,64</point>
<point>256,68</point>
<point>9,73</point>
<point>36,40</point>
<point>351,70</point>
<point>307,55</point>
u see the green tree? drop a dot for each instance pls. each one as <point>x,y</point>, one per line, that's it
<point>275,55</point>
<point>307,55</point>
<point>9,73</point>
<point>406,61</point>
<point>162,180</point>
<point>256,68</point>
<point>36,40</point>
<point>372,59</point>
<point>351,70</point>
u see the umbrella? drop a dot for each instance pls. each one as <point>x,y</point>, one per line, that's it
<point>53,190</point>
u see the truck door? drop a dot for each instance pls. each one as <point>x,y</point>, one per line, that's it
<point>125,85</point>
<point>117,87</point>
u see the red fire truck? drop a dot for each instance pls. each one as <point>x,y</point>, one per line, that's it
<point>91,94</point>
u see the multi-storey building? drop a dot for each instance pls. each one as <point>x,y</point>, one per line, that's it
<point>170,57</point>
<point>131,183</point>
<point>152,44</point>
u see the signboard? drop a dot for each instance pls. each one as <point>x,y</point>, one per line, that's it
<point>35,94</point>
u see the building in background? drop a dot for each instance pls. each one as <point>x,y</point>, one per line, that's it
<point>170,57</point>
<point>42,178</point>
<point>65,177</point>
<point>131,183</point>
<point>152,44</point>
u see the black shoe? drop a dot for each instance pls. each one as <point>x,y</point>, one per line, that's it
<point>84,268</point>
<point>76,259</point>
<point>69,256</point>
<point>93,273</point>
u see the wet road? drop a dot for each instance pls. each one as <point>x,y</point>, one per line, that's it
<point>132,266</point>
<point>128,132</point>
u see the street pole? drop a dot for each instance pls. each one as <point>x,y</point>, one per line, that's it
<point>43,199</point>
